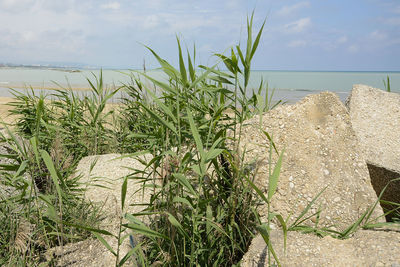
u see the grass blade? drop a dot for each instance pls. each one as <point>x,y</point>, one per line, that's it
<point>105,243</point>
<point>177,225</point>
<point>192,72</point>
<point>257,40</point>
<point>123,192</point>
<point>273,179</point>
<point>299,218</point>
<point>185,182</point>
<point>161,105</point>
<point>259,192</point>
<point>195,133</point>
<point>144,230</point>
<point>263,229</point>
<point>53,173</point>
<point>158,118</point>
<point>182,67</point>
<point>168,69</point>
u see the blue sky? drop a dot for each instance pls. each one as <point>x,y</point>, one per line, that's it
<point>299,35</point>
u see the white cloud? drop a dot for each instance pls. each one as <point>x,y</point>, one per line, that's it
<point>287,10</point>
<point>44,45</point>
<point>353,48</point>
<point>298,25</point>
<point>16,6</point>
<point>396,10</point>
<point>378,35</point>
<point>206,48</point>
<point>395,42</point>
<point>28,36</point>
<point>233,4</point>
<point>171,23</point>
<point>43,29</point>
<point>297,43</point>
<point>394,21</point>
<point>151,21</point>
<point>331,44</point>
<point>8,3</point>
<point>111,5</point>
<point>342,40</point>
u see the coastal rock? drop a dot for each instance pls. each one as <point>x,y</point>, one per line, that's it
<point>375,116</point>
<point>365,248</point>
<point>321,153</point>
<point>103,177</point>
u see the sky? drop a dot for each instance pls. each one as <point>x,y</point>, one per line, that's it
<point>298,35</point>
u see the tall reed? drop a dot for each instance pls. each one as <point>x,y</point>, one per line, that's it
<point>203,211</point>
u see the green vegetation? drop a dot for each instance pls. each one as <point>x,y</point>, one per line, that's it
<point>387,84</point>
<point>203,211</point>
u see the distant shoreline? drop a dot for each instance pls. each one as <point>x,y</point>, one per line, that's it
<point>79,69</point>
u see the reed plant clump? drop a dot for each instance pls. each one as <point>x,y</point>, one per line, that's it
<point>203,211</point>
<point>78,123</point>
<point>39,203</point>
<point>41,199</point>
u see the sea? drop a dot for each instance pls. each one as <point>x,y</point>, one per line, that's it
<point>288,86</point>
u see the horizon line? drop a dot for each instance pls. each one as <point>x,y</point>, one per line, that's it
<point>155,69</point>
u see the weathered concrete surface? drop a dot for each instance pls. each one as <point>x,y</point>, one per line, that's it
<point>365,248</point>
<point>321,150</point>
<point>375,116</point>
<point>104,182</point>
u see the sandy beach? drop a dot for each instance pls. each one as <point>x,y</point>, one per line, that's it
<point>5,110</point>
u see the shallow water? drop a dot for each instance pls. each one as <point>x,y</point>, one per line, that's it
<point>289,85</point>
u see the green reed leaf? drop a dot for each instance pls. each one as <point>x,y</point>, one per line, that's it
<point>201,78</point>
<point>182,179</point>
<point>144,230</point>
<point>88,228</point>
<point>257,40</point>
<point>123,192</point>
<point>53,173</point>
<point>300,218</point>
<point>249,37</point>
<point>163,107</point>
<point>177,225</point>
<point>182,67</point>
<point>192,72</point>
<point>264,231</point>
<point>195,133</point>
<point>212,154</point>
<point>274,178</point>
<point>105,243</point>
<point>177,199</point>
<point>228,62</point>
<point>167,124</point>
<point>167,68</point>
<point>284,229</point>
<point>258,191</point>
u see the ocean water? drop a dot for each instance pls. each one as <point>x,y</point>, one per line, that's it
<point>288,85</point>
